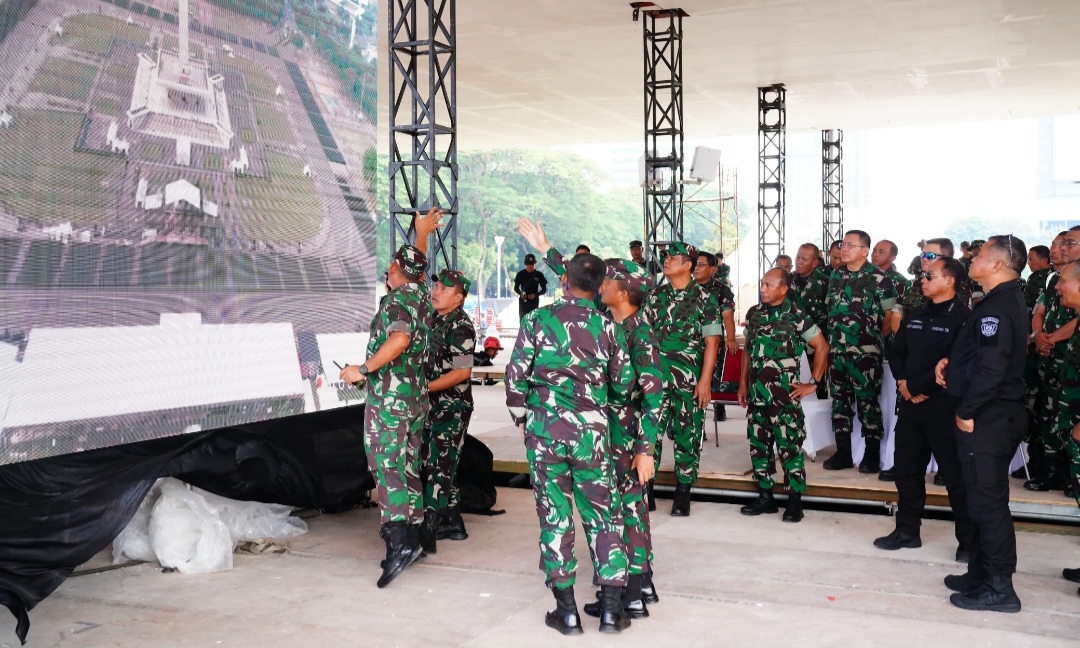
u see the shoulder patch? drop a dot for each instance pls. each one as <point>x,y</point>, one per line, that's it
<point>989,326</point>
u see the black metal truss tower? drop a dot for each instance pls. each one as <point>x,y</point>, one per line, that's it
<point>772,173</point>
<point>423,122</point>
<point>832,188</point>
<point>663,187</point>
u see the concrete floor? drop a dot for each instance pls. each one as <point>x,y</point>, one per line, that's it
<point>723,578</point>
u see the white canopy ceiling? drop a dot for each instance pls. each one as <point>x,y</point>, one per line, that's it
<point>560,72</point>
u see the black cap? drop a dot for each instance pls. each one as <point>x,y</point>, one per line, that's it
<point>530,259</point>
<point>635,243</point>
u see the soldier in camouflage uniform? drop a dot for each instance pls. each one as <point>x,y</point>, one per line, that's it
<point>569,368</point>
<point>397,400</point>
<point>860,302</point>
<point>706,275</point>
<point>884,258</point>
<point>1052,325</point>
<point>1039,264</point>
<point>809,287</point>
<point>777,333</point>
<point>634,429</point>
<point>448,370</point>
<point>1068,416</point>
<point>688,327</point>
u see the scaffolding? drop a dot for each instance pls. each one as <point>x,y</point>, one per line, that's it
<point>772,173</point>
<point>423,123</point>
<point>832,187</point>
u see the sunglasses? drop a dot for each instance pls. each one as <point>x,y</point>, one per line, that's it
<point>931,256</point>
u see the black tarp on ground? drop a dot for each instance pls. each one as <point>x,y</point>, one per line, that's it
<point>57,513</point>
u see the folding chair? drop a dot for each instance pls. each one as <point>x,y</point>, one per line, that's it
<point>727,391</point>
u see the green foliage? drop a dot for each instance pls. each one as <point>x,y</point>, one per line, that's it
<point>974,227</point>
<point>569,195</point>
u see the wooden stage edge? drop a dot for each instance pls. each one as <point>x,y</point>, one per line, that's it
<point>885,495</point>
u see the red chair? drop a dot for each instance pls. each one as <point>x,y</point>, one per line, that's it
<point>728,389</point>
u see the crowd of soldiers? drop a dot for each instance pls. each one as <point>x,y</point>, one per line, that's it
<point>623,358</point>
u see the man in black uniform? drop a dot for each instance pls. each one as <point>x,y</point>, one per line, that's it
<point>529,284</point>
<point>985,374</point>
<point>927,419</point>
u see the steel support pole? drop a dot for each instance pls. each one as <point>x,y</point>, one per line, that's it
<point>832,188</point>
<point>772,172</point>
<point>423,123</point>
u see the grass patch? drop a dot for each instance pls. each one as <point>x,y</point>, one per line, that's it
<point>63,78</point>
<point>272,124</point>
<point>42,177</point>
<point>119,71</point>
<point>152,150</point>
<point>108,106</point>
<point>283,209</point>
<point>173,43</point>
<point>94,33</point>
<point>259,83</point>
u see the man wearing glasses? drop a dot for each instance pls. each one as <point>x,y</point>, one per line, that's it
<point>926,422</point>
<point>933,249</point>
<point>1051,327</point>
<point>860,302</point>
<point>984,373</point>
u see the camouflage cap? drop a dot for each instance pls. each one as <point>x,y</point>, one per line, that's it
<point>411,260</point>
<point>630,272</point>
<point>678,247</point>
<point>454,278</point>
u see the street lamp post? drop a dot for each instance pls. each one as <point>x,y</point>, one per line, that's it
<point>498,264</point>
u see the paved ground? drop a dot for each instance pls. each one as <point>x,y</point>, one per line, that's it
<point>723,578</point>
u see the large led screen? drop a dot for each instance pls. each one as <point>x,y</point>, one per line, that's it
<point>186,226</point>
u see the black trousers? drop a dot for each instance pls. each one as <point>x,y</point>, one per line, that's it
<point>921,430</point>
<point>526,306</point>
<point>984,460</point>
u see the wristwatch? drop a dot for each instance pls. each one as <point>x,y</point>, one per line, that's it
<point>364,370</point>
<point>812,381</point>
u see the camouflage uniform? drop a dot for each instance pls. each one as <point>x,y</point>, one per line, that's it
<point>902,286</point>
<point>809,293</point>
<point>913,298</point>
<point>682,319</point>
<point>569,368</point>
<point>857,303</point>
<point>1034,287</point>
<point>452,340</point>
<point>1068,415</point>
<point>634,425</point>
<point>725,298</point>
<point>397,401</point>
<point>1050,372</point>
<point>776,337</point>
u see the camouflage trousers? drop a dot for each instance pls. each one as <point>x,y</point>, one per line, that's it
<point>392,437</point>
<point>441,451</point>
<point>581,471</point>
<point>1047,406</point>
<point>856,382</point>
<point>784,426</point>
<point>685,423</point>
<point>633,516</point>
<point>1033,377</point>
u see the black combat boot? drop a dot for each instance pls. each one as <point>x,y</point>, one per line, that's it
<point>996,595</point>
<point>871,459</point>
<point>842,458</point>
<point>400,553</point>
<point>898,540</point>
<point>793,512</point>
<point>964,583</point>
<point>451,526</point>
<point>1051,478</point>
<point>763,504</point>
<point>632,598</point>
<point>427,531</point>
<point>651,495</point>
<point>680,505</point>
<point>648,590</point>
<point>612,616</point>
<point>564,617</point>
